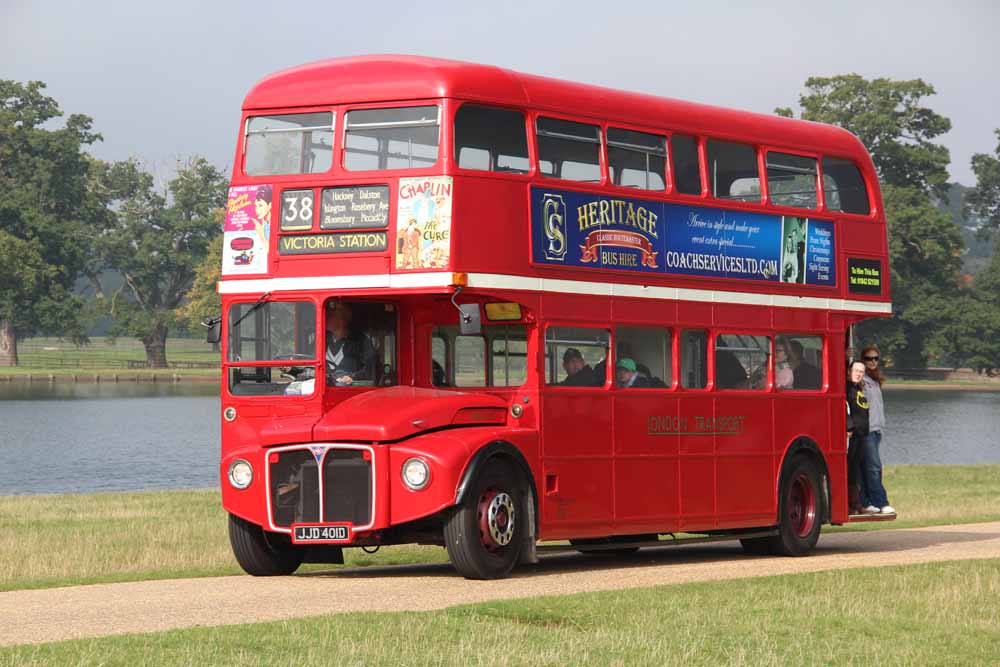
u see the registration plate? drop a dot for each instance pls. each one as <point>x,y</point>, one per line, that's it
<point>321,534</point>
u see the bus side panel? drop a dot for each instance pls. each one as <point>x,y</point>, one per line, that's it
<point>810,416</point>
<point>647,474</point>
<point>744,459</point>
<point>497,241</point>
<point>576,457</point>
<point>697,467</point>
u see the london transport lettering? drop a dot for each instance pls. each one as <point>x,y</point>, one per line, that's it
<point>594,231</point>
<point>695,425</point>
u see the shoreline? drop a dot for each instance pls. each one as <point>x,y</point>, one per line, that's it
<point>165,377</point>
<point>172,377</point>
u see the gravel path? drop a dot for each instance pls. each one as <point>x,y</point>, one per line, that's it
<point>108,609</point>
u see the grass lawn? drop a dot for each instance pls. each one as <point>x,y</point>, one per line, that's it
<point>59,540</point>
<point>52,355</point>
<point>932,614</point>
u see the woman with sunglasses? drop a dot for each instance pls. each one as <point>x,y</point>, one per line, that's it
<point>873,495</point>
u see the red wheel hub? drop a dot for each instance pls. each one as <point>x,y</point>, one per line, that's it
<point>802,505</point>
<point>496,515</point>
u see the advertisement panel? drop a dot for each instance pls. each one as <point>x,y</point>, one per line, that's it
<point>247,230</point>
<point>585,230</point>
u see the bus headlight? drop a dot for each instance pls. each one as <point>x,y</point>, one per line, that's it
<point>240,473</point>
<point>416,474</point>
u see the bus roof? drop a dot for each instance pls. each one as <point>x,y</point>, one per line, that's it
<point>386,78</point>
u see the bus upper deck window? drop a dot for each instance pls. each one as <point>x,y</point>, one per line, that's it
<point>399,138</point>
<point>569,150</point>
<point>732,171</point>
<point>684,153</point>
<point>844,187</point>
<point>300,143</point>
<point>637,159</point>
<point>791,180</point>
<point>491,139</point>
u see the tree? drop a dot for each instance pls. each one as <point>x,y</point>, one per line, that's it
<point>155,242</point>
<point>888,118</point>
<point>45,212</point>
<point>925,249</point>
<point>984,200</point>
<point>202,300</point>
<point>925,246</point>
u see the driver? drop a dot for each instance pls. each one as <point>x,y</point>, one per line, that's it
<point>350,355</point>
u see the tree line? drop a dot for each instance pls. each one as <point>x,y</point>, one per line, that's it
<point>67,218</point>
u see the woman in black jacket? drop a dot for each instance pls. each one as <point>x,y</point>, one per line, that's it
<point>857,429</point>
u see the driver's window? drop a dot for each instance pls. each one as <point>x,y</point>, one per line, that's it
<point>360,347</point>
<point>272,331</point>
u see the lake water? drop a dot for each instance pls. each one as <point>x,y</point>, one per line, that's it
<point>65,437</point>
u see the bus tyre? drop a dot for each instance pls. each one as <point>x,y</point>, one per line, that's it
<point>262,554</point>
<point>800,508</point>
<point>484,534</point>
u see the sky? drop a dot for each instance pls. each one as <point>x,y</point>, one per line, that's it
<point>164,81</point>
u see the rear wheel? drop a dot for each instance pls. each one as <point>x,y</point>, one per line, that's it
<point>260,553</point>
<point>484,535</point>
<point>800,512</point>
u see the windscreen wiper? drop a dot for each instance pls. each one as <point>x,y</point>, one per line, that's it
<point>253,308</point>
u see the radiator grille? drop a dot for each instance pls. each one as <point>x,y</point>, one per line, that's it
<point>298,491</point>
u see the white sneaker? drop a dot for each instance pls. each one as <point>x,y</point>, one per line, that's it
<point>888,509</point>
<point>871,509</point>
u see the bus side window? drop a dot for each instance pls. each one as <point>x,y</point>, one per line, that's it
<point>573,149</point>
<point>791,180</point>
<point>508,355</point>
<point>440,377</point>
<point>844,187</point>
<point>491,139</point>
<point>741,361</point>
<point>576,356</point>
<point>470,353</point>
<point>694,359</point>
<point>649,348</point>
<point>732,171</point>
<point>803,356</point>
<point>637,159</point>
<point>684,155</point>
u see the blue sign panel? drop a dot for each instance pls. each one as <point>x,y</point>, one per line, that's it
<point>595,231</point>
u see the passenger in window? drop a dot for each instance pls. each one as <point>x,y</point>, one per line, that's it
<point>438,377</point>
<point>601,368</point>
<point>729,372</point>
<point>784,378</point>
<point>350,355</point>
<point>628,375</point>
<point>806,376</point>
<point>578,372</point>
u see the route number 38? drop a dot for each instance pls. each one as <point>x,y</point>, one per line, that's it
<point>296,209</point>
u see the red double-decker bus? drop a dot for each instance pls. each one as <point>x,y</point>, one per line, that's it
<point>470,307</point>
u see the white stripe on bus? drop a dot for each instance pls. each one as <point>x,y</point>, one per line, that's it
<point>525,283</point>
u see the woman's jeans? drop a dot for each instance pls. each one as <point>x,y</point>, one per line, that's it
<point>872,491</point>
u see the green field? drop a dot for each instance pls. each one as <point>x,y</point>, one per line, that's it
<point>933,614</point>
<point>53,354</point>
<point>59,540</point>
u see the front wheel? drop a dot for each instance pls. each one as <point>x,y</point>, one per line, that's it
<point>484,535</point>
<point>262,554</point>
